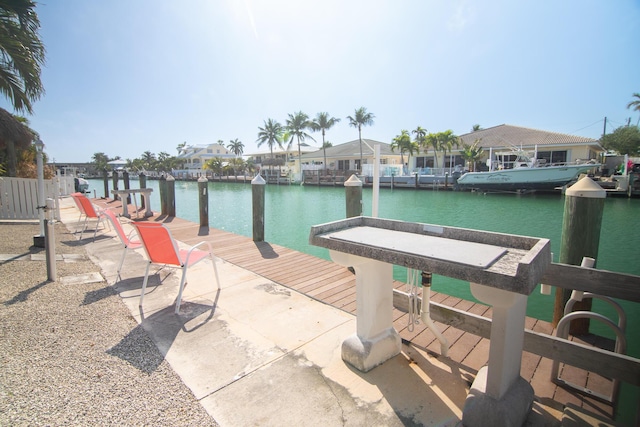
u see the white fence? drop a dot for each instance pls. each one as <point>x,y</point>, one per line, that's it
<point>19,196</point>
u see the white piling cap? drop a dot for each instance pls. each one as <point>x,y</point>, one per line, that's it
<point>587,188</point>
<point>353,181</point>
<point>202,179</point>
<point>170,178</point>
<point>258,180</point>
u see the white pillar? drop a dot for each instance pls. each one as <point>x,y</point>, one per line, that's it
<point>375,340</point>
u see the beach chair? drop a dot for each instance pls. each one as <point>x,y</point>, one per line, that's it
<point>75,196</point>
<point>126,239</point>
<point>162,249</point>
<point>89,211</point>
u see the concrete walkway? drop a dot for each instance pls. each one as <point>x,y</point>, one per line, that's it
<point>256,353</point>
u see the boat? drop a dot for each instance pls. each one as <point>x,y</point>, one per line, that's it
<point>526,176</point>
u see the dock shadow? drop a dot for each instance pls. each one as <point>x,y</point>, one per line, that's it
<point>266,250</point>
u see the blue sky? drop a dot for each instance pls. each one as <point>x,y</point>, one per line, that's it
<point>123,77</point>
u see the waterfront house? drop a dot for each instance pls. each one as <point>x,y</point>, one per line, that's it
<point>504,141</point>
<point>194,157</point>
<point>345,158</point>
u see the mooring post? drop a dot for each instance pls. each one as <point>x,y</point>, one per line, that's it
<point>162,187</point>
<point>258,185</point>
<point>353,193</point>
<point>417,180</point>
<point>171,195</point>
<point>115,177</point>
<point>142,178</point>
<point>105,178</point>
<point>125,178</point>
<point>583,207</point>
<point>203,201</point>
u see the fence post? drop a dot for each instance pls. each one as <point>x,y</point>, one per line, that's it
<point>353,193</point>
<point>203,201</point>
<point>258,185</point>
<point>171,195</point>
<point>583,207</point>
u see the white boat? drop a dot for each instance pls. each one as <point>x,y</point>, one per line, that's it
<point>524,177</point>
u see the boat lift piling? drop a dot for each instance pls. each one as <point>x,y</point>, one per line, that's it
<point>583,208</point>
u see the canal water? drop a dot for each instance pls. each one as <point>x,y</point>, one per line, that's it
<point>290,211</point>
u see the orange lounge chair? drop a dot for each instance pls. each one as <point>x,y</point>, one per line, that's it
<point>124,238</point>
<point>89,210</point>
<point>161,248</point>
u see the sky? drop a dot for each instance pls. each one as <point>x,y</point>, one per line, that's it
<point>127,76</point>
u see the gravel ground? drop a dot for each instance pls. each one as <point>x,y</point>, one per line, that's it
<point>72,354</point>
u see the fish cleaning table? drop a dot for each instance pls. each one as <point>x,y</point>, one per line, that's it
<point>503,269</point>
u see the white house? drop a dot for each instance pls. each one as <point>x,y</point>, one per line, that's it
<point>194,157</point>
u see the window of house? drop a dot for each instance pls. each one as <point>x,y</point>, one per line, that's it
<point>357,164</point>
<point>343,165</point>
<point>551,157</point>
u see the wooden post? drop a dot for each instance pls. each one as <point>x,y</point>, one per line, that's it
<point>162,187</point>
<point>257,194</point>
<point>203,201</point>
<point>114,177</point>
<point>105,178</point>
<point>353,193</point>
<point>171,195</point>
<point>583,207</point>
<point>143,184</point>
<point>127,186</point>
<point>417,180</point>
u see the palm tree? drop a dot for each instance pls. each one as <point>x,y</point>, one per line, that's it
<point>296,125</point>
<point>271,134</point>
<point>432,140</point>
<point>323,122</point>
<point>22,54</point>
<point>361,118</point>
<point>214,164</point>
<point>421,134</point>
<point>181,146</point>
<point>149,160</point>
<point>476,128</point>
<point>404,144</point>
<point>472,153</point>
<point>447,141</point>
<point>635,105</point>
<point>236,147</point>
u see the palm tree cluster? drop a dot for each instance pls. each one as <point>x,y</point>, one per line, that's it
<point>275,134</point>
<point>440,142</point>
<point>148,161</point>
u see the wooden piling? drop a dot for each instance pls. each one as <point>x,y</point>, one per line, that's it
<point>171,195</point>
<point>115,177</point>
<point>258,185</point>
<point>353,195</point>
<point>583,208</point>
<point>142,178</point>
<point>105,178</point>
<point>162,188</point>
<point>127,185</point>
<point>203,201</point>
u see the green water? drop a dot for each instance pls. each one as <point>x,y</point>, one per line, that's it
<point>290,211</point>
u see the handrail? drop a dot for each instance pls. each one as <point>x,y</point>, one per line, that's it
<point>602,282</point>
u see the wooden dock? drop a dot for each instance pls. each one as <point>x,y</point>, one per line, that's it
<point>332,284</point>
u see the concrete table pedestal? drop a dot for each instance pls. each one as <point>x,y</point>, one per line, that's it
<point>375,340</point>
<point>499,396</point>
<point>146,193</point>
